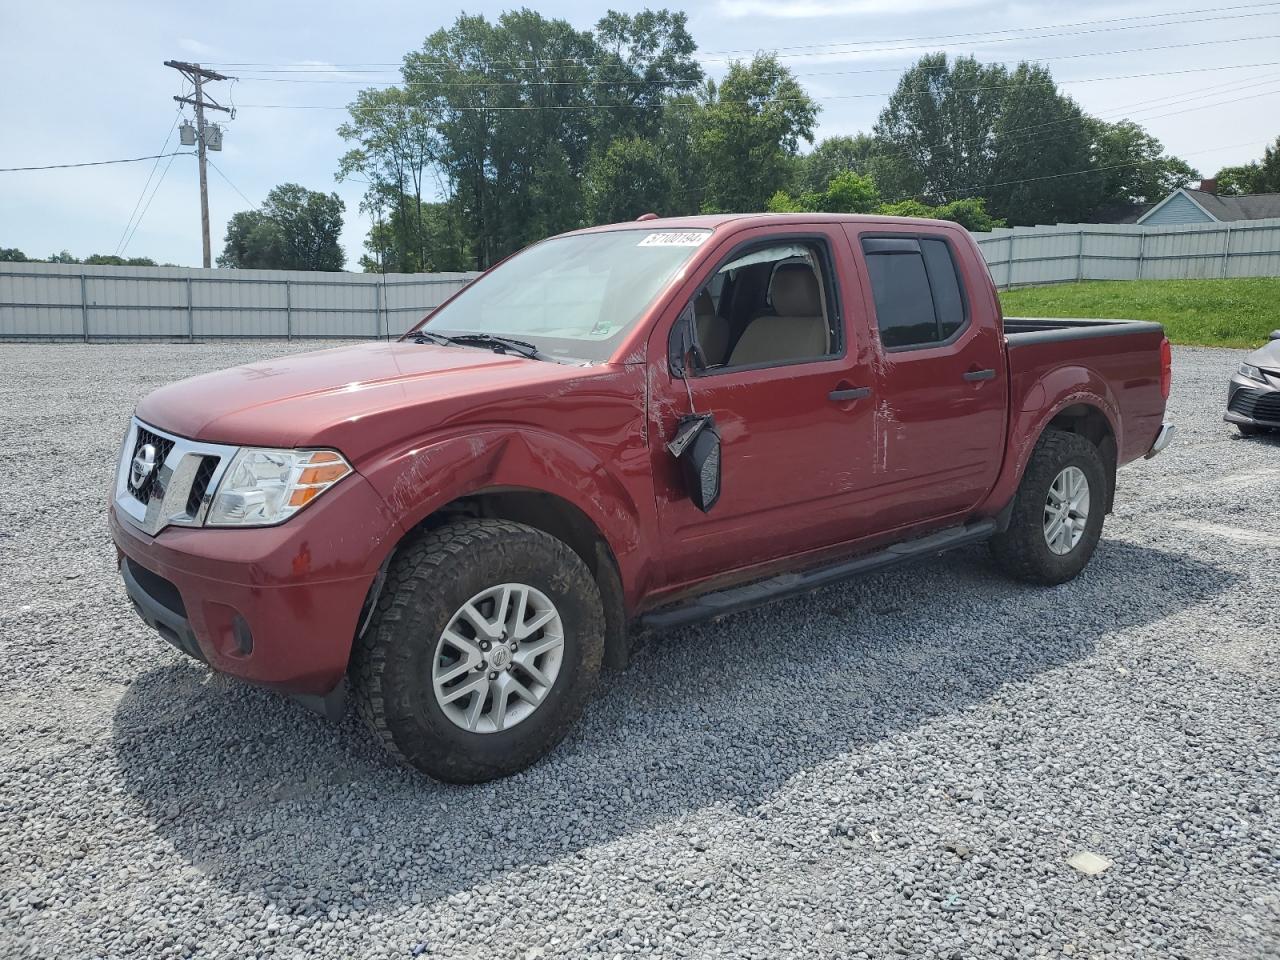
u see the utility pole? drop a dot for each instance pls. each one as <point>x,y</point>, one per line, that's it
<point>198,75</point>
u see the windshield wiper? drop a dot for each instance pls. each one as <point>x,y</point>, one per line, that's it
<point>497,344</point>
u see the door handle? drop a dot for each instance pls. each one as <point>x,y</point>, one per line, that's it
<point>980,375</point>
<point>850,393</point>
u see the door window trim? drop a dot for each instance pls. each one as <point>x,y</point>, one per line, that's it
<point>830,291</point>
<point>955,266</point>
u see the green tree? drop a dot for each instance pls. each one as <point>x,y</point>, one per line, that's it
<point>434,227</point>
<point>1041,148</point>
<point>748,133</point>
<point>846,192</point>
<point>12,255</point>
<point>111,260</point>
<point>63,257</point>
<point>832,156</point>
<point>935,137</point>
<point>971,213</point>
<point>295,229</point>
<point>396,149</point>
<point>628,179</point>
<point>1253,177</point>
<point>1133,166</point>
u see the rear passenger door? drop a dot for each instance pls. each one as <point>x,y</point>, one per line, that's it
<point>941,391</point>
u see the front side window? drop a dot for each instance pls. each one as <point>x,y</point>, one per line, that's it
<point>916,288</point>
<point>574,296</point>
<point>767,305</point>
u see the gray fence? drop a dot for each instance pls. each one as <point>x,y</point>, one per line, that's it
<point>1022,256</point>
<point>54,301</point>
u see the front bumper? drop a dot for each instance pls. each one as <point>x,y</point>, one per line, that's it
<point>277,606</point>
<point>1251,402</point>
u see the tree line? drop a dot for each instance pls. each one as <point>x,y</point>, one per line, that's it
<point>502,132</point>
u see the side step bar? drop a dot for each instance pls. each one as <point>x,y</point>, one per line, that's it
<point>723,602</point>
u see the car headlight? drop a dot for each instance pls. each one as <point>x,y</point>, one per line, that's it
<point>1252,372</point>
<point>266,487</point>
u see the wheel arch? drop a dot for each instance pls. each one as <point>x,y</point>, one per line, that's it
<point>553,515</point>
<point>1088,420</point>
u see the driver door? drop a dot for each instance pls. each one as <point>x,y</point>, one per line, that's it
<point>787,394</point>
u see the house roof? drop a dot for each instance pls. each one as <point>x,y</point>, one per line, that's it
<point>1254,206</point>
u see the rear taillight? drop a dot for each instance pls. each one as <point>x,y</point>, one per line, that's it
<point>1166,368</point>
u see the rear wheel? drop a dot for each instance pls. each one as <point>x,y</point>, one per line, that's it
<point>1057,513</point>
<point>486,642</point>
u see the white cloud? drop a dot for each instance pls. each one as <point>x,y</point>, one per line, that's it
<point>196,47</point>
<point>811,9</point>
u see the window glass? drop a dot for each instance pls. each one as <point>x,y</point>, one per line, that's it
<point>945,284</point>
<point>573,296</point>
<point>775,312</point>
<point>916,290</point>
<point>904,306</point>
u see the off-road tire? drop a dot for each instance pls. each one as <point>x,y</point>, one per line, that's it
<point>1021,550</point>
<point>427,582</point>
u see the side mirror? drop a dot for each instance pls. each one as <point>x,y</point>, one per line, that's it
<point>682,347</point>
<point>1275,335</point>
<point>696,447</point>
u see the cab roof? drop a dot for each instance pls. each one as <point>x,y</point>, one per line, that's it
<point>744,220</point>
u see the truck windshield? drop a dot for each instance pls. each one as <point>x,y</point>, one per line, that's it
<point>572,297</point>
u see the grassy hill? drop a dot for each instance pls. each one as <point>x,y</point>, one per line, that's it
<point>1212,313</point>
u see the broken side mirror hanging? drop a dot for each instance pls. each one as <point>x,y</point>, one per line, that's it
<point>696,447</point>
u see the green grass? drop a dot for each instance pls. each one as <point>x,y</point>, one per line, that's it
<point>1210,313</point>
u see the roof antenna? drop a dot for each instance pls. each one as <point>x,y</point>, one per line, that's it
<point>647,216</point>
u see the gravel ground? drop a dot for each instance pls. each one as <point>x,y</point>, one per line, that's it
<point>905,774</point>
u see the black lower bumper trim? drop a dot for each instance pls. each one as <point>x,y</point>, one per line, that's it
<point>167,622</point>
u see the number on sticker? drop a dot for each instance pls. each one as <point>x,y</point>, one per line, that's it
<point>691,238</point>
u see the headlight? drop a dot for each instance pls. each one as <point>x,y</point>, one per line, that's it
<point>266,487</point>
<point>1252,372</point>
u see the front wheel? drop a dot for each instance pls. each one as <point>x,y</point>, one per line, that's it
<point>1249,429</point>
<point>1057,512</point>
<point>485,644</point>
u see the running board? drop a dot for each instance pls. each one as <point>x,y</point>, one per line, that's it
<point>723,602</point>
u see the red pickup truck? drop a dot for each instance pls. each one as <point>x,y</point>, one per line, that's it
<point>619,429</point>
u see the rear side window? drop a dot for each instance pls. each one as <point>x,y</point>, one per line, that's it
<point>916,288</point>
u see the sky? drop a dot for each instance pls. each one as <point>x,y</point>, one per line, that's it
<point>84,81</point>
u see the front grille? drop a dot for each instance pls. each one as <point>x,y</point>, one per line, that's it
<point>200,485</point>
<point>1256,405</point>
<point>162,446</point>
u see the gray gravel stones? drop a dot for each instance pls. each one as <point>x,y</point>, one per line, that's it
<point>794,781</point>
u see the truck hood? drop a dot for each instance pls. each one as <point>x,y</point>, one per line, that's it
<point>314,398</point>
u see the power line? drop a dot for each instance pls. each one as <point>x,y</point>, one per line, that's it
<point>94,163</point>
<point>356,108</point>
<point>588,61</point>
<point>147,207</point>
<point>232,185</point>
<point>137,203</point>
<point>1077,173</point>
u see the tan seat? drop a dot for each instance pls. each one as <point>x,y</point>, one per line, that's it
<point>796,330</point>
<point>713,330</point>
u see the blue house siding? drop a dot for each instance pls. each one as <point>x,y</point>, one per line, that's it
<point>1178,210</point>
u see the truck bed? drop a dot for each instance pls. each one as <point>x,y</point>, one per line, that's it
<point>1122,360</point>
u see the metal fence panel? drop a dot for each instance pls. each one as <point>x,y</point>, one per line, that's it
<point>1024,256</point>
<point>72,301</point>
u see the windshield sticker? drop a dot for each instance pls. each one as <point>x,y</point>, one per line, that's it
<point>692,238</point>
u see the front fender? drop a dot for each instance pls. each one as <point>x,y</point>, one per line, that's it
<point>417,480</point>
